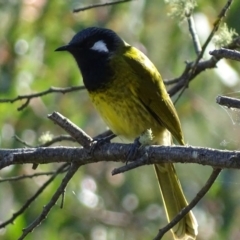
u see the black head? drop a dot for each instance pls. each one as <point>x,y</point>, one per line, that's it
<point>92,49</point>
<point>99,39</point>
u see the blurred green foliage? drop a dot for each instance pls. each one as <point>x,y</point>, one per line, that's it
<point>97,205</point>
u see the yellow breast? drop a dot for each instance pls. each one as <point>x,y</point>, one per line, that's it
<point>123,112</point>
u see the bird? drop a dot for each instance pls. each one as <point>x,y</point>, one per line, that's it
<point>128,92</point>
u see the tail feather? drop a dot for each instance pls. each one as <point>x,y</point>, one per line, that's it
<point>174,201</point>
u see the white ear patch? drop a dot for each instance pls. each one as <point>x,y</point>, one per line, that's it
<point>100,46</point>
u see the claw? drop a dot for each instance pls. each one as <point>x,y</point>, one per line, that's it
<point>133,150</point>
<point>101,141</point>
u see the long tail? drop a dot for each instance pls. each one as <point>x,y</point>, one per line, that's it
<point>174,201</point>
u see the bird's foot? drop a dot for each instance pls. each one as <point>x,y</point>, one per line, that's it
<point>144,139</point>
<point>98,142</point>
<point>133,150</point>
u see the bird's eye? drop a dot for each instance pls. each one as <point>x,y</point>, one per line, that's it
<point>89,44</point>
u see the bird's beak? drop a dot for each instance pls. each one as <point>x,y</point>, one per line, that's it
<point>63,48</point>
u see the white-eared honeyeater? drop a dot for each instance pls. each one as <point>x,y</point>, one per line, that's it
<point>129,93</point>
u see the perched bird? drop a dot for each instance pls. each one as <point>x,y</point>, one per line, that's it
<point>129,93</point>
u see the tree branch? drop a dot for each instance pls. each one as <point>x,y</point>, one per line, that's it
<point>21,177</point>
<point>53,140</point>
<point>194,35</point>
<point>40,94</point>
<point>228,102</point>
<point>226,53</point>
<point>116,152</point>
<point>99,5</point>
<point>77,133</point>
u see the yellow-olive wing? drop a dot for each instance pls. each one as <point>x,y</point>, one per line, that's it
<point>152,93</point>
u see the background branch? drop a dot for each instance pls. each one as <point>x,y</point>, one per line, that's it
<point>194,35</point>
<point>40,94</point>
<point>22,177</point>
<point>226,53</point>
<point>34,197</point>
<point>100,5</point>
<point>46,209</point>
<point>228,102</point>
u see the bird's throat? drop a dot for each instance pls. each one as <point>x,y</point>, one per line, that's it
<point>96,72</point>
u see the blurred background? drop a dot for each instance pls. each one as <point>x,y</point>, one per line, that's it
<point>97,205</point>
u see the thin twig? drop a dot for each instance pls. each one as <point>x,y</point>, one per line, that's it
<point>77,133</point>
<point>46,209</point>
<point>18,139</point>
<point>56,139</point>
<point>178,79</point>
<point>39,94</point>
<point>137,163</point>
<point>228,102</point>
<point>189,76</point>
<point>214,30</point>
<point>17,178</point>
<point>226,53</point>
<point>63,198</point>
<point>191,205</point>
<point>99,5</point>
<point>104,134</point>
<point>194,35</point>
<point>30,200</point>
